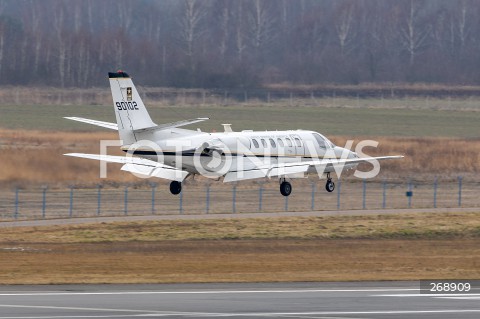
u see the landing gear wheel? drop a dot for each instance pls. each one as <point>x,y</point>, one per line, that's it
<point>285,188</point>
<point>330,186</point>
<point>175,187</point>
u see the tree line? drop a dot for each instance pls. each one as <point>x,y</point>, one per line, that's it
<point>239,43</point>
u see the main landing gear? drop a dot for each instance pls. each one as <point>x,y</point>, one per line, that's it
<point>285,187</point>
<point>330,186</point>
<point>175,187</point>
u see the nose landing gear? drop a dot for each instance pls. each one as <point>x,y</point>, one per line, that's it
<point>330,185</point>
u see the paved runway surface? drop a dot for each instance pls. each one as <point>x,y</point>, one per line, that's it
<point>280,300</point>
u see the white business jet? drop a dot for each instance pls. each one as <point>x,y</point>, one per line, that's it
<point>169,152</point>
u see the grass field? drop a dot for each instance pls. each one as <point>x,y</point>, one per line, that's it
<point>435,142</point>
<point>349,122</point>
<point>27,158</point>
<point>393,247</point>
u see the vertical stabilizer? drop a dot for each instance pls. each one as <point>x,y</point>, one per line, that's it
<point>130,111</point>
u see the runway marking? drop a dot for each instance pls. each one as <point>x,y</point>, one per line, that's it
<point>431,295</point>
<point>139,312</point>
<point>204,292</point>
<point>330,313</point>
<point>461,297</point>
<point>147,313</point>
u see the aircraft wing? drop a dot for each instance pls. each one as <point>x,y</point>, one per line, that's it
<point>108,125</point>
<point>138,165</point>
<point>286,169</point>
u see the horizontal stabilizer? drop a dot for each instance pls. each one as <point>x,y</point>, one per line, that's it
<point>108,125</point>
<point>181,123</point>
<point>114,126</point>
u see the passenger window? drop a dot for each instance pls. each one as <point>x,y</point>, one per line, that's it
<point>320,141</point>
<point>289,142</point>
<point>255,143</point>
<point>280,142</point>
<point>264,143</point>
<point>272,142</point>
<point>297,141</point>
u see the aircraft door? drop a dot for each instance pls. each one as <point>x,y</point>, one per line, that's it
<point>289,146</point>
<point>299,146</point>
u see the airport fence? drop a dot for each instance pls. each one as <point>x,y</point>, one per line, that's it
<point>346,96</point>
<point>46,203</point>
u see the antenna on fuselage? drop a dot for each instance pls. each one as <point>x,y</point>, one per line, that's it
<point>227,128</point>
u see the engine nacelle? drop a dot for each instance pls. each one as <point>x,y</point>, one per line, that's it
<point>226,145</point>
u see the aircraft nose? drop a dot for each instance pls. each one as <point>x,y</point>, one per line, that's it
<point>352,154</point>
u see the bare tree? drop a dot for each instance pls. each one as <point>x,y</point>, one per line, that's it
<point>261,20</point>
<point>414,33</point>
<point>61,38</point>
<point>193,13</point>
<point>240,45</point>
<point>345,29</point>
<point>464,24</point>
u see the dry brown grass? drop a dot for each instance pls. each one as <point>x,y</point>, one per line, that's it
<point>33,158</point>
<point>412,226</point>
<point>283,249</point>
<point>241,261</point>
<point>446,157</point>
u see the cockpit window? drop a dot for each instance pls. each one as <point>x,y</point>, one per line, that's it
<point>321,141</point>
<point>255,143</point>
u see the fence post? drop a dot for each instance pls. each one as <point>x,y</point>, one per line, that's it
<point>154,186</point>
<point>313,197</point>
<point>70,213</point>
<point>16,202</point>
<point>384,199</point>
<point>234,198</point>
<point>260,193</point>
<point>125,210</point>
<point>180,203</point>
<point>460,178</point>
<point>364,202</point>
<point>44,200</point>
<point>99,199</point>
<point>435,185</point>
<point>338,194</point>
<point>207,200</point>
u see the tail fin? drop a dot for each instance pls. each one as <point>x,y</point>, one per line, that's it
<point>130,111</point>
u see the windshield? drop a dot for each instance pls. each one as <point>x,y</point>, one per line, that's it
<point>322,141</point>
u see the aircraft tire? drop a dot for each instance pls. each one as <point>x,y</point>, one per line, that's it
<point>175,187</point>
<point>285,188</point>
<point>330,186</point>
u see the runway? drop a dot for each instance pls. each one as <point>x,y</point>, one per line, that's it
<point>266,300</point>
